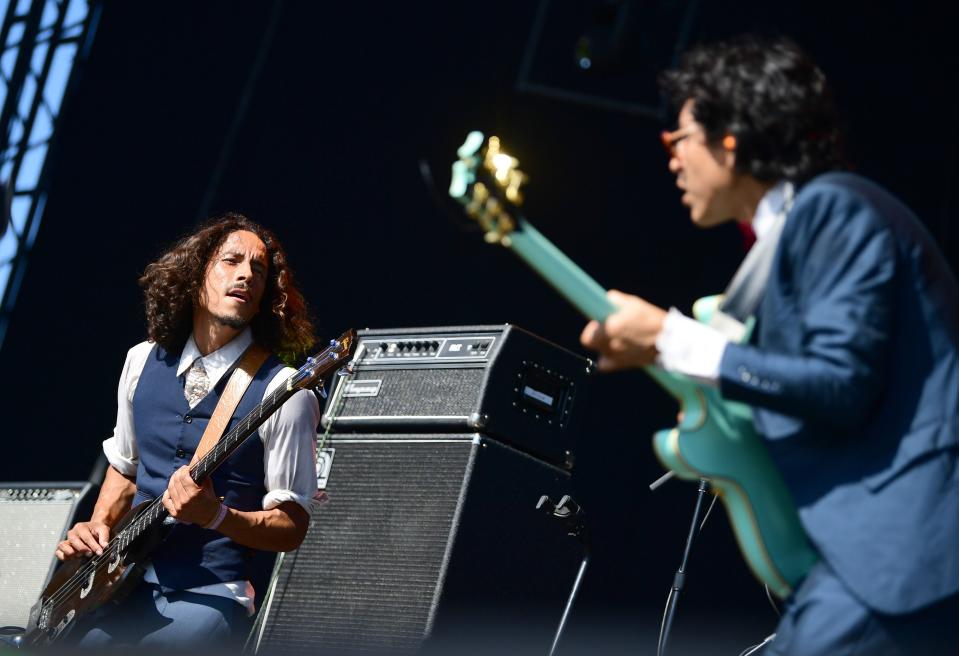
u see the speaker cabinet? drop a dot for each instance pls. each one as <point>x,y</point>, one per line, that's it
<point>33,519</point>
<point>424,539</point>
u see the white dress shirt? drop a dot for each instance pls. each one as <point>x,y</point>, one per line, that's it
<point>289,438</point>
<point>689,347</point>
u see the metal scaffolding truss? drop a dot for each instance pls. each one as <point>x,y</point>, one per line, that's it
<point>42,42</point>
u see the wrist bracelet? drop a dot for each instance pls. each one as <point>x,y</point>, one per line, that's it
<point>216,521</point>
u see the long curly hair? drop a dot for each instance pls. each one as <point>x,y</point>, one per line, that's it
<point>172,284</point>
<point>770,96</point>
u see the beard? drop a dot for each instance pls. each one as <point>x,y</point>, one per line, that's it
<point>231,322</point>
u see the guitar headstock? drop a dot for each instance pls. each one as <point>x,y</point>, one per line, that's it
<point>334,356</point>
<point>488,183</point>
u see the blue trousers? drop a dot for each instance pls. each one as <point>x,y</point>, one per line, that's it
<point>823,618</point>
<point>149,617</point>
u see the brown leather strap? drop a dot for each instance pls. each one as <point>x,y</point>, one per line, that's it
<point>250,363</point>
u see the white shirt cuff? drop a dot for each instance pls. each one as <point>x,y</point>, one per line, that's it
<point>123,464</point>
<point>690,348</point>
<point>274,498</point>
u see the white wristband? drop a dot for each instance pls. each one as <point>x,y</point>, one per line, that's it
<point>216,521</point>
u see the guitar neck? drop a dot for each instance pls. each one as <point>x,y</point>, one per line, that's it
<point>566,277</point>
<point>155,512</point>
<point>577,287</point>
<point>244,428</point>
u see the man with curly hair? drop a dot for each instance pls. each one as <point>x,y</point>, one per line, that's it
<point>853,369</point>
<point>208,299</point>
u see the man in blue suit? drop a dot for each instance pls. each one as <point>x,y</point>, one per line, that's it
<point>853,370</point>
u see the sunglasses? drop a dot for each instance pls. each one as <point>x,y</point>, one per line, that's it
<point>671,139</point>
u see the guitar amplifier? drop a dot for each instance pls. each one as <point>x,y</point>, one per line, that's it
<point>33,519</point>
<point>500,380</point>
<point>426,540</point>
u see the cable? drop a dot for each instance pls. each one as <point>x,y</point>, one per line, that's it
<point>246,96</point>
<point>753,648</point>
<point>662,624</point>
<point>708,510</point>
<point>772,602</point>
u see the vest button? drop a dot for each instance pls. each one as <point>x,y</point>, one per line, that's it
<point>180,453</point>
<point>188,419</point>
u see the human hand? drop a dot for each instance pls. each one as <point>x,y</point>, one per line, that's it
<point>628,336</point>
<point>188,502</point>
<point>84,539</point>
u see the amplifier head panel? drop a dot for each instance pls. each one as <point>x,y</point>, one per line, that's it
<point>501,380</point>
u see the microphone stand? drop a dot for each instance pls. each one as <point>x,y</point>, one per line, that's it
<point>572,516</point>
<point>679,579</point>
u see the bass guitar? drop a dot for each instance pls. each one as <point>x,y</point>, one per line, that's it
<point>81,586</point>
<point>715,438</point>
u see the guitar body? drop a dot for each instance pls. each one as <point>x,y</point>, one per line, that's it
<point>715,440</point>
<point>79,587</point>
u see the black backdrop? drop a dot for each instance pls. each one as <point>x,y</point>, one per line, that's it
<point>325,150</point>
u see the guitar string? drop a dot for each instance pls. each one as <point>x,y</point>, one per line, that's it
<point>79,578</point>
<point>145,518</point>
<point>152,512</point>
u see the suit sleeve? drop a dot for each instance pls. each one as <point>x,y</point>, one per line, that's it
<point>840,265</point>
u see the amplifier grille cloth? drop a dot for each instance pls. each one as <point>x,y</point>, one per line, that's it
<point>417,393</point>
<point>33,523</point>
<point>365,576</point>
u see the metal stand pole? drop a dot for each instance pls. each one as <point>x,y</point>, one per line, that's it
<point>680,578</point>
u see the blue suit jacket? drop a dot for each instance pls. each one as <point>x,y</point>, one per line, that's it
<point>854,377</point>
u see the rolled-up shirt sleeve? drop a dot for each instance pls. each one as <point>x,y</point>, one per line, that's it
<point>289,448</point>
<point>121,448</point>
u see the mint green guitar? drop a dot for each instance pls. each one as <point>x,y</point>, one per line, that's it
<point>715,439</point>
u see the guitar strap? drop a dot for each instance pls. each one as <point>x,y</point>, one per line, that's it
<point>251,361</point>
<point>745,290</point>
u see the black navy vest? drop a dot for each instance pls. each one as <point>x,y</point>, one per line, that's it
<point>168,433</point>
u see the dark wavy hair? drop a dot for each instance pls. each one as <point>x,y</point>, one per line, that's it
<point>171,286</point>
<point>770,96</point>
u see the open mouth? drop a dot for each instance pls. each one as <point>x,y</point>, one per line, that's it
<point>239,294</point>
